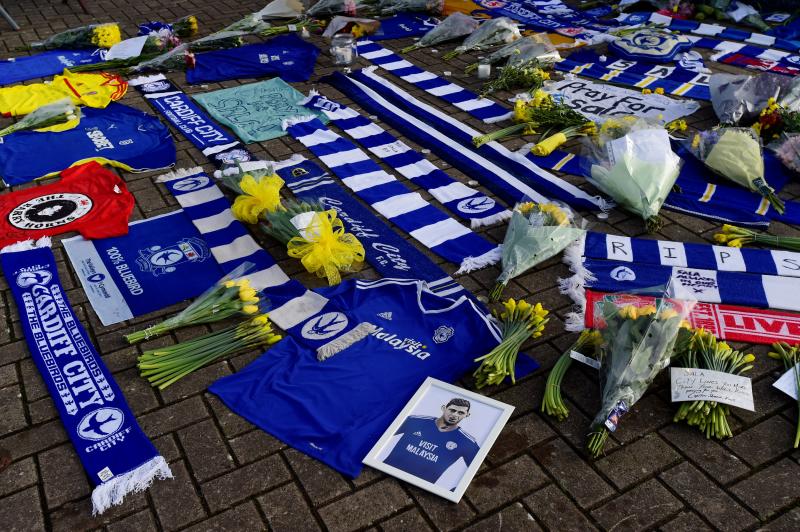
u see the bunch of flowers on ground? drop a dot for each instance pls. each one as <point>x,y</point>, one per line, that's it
<point>553,403</point>
<point>103,35</point>
<point>519,321</point>
<point>790,356</point>
<point>736,237</point>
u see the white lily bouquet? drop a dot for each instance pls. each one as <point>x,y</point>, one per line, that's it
<point>490,33</point>
<point>735,153</point>
<point>455,26</point>
<point>536,232</point>
<point>633,163</point>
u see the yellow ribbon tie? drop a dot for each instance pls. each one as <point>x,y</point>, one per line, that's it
<point>326,249</point>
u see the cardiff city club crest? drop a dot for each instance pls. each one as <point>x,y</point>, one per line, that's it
<point>155,86</point>
<point>191,183</point>
<point>101,423</point>
<point>324,326</point>
<point>443,333</point>
<point>475,205</point>
<point>232,156</point>
<point>160,260</point>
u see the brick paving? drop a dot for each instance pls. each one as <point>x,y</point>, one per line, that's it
<point>231,476</point>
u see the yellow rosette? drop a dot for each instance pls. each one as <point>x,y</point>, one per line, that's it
<point>259,196</point>
<point>325,249</point>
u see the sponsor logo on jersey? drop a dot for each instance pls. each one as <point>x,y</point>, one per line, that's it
<point>101,423</point>
<point>160,260</point>
<point>409,345</point>
<point>51,210</point>
<point>324,326</point>
<point>443,333</point>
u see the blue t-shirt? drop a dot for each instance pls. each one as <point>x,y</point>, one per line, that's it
<point>337,409</point>
<point>426,452</point>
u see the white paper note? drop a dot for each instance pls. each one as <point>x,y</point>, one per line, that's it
<point>690,384</point>
<point>787,384</point>
<point>127,48</point>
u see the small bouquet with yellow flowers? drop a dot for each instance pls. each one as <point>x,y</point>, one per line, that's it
<point>518,322</point>
<point>542,114</point>
<point>536,232</point>
<point>231,296</point>
<point>790,356</point>
<point>310,233</point>
<point>736,237</point>
<point>526,74</point>
<point>637,343</point>
<point>103,35</point>
<point>164,366</point>
<point>704,351</point>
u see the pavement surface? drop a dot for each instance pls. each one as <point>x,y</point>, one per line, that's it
<point>231,476</point>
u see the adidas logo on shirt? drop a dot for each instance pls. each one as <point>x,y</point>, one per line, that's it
<point>385,315</point>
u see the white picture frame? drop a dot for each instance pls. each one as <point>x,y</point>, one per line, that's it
<point>486,418</point>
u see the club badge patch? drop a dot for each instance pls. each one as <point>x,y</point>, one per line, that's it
<point>51,210</point>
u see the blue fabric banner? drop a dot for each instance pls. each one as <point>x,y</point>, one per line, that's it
<point>193,122</point>
<point>117,456</point>
<point>404,25</point>
<point>45,64</point>
<point>145,270</point>
<point>117,135</point>
<point>287,56</point>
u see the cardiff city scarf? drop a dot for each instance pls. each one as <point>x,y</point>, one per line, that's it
<point>675,80</point>
<point>391,198</point>
<point>117,456</point>
<point>160,262</point>
<point>287,56</point>
<point>461,200</point>
<point>708,30</point>
<point>726,322</point>
<point>390,255</point>
<point>509,175</point>
<point>231,245</point>
<point>683,282</point>
<point>216,144</point>
<point>696,195</point>
<point>484,109</point>
<point>118,135</point>
<point>45,64</point>
<point>404,25</point>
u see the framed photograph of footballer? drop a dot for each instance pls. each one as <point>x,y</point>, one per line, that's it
<point>440,439</point>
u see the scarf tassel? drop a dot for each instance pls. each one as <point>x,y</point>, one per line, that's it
<point>470,264</point>
<point>575,287</point>
<point>112,492</point>
<point>356,334</point>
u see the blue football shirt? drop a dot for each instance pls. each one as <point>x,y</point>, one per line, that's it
<point>337,409</point>
<point>426,452</point>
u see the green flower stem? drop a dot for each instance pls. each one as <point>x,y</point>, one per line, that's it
<point>553,403</point>
<point>500,133</point>
<point>597,442</point>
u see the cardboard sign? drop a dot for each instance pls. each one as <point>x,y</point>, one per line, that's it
<point>691,384</point>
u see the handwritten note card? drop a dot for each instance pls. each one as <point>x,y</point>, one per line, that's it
<point>787,384</point>
<point>689,384</point>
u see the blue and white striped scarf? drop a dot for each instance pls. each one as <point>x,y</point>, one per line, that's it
<point>483,109</point>
<point>463,201</point>
<point>391,198</point>
<point>709,30</point>
<point>701,272</point>
<point>509,175</point>
<point>675,79</point>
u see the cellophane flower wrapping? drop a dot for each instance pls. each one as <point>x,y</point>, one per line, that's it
<point>738,99</point>
<point>637,343</point>
<point>329,8</point>
<point>104,35</point>
<point>788,151</point>
<point>492,32</point>
<point>455,26</point>
<point>534,235</point>
<point>530,48</point>
<point>632,161</point>
<point>391,7</point>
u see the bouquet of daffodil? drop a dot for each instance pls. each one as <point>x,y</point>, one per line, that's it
<point>351,8</point>
<point>735,154</point>
<point>62,113</point>
<point>536,232</point>
<point>704,351</point>
<point>154,46</point>
<point>526,75</point>
<point>790,356</point>
<point>637,343</point>
<point>225,299</point>
<point>518,322</point>
<point>492,32</point>
<point>737,237</point>
<point>542,114</point>
<point>185,27</point>
<point>553,403</point>
<point>166,365</point>
<point>455,26</point>
<point>521,51</point>
<point>103,35</point>
<point>632,161</point>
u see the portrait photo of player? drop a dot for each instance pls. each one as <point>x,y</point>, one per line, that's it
<point>440,439</point>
